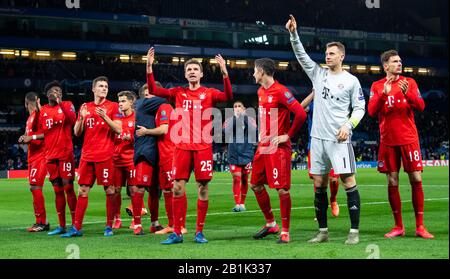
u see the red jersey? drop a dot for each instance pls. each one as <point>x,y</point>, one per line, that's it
<point>36,150</point>
<point>166,147</point>
<point>98,143</point>
<point>193,117</point>
<point>396,111</point>
<point>124,149</point>
<point>57,122</point>
<point>280,100</point>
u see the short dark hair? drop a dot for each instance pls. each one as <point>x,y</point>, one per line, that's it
<point>339,45</point>
<point>266,64</point>
<point>51,84</point>
<point>100,78</point>
<point>31,97</point>
<point>238,101</point>
<point>193,61</point>
<point>142,90</point>
<point>384,57</point>
<point>129,94</point>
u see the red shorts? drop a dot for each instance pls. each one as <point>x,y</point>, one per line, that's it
<point>272,169</point>
<point>37,171</point>
<point>330,175</point>
<point>64,169</point>
<point>390,157</point>
<point>125,175</point>
<point>89,171</point>
<point>199,160</point>
<point>165,177</point>
<point>243,169</point>
<point>146,174</point>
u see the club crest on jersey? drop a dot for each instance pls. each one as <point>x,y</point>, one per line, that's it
<point>130,124</point>
<point>270,98</point>
<point>59,110</point>
<point>340,86</point>
<point>202,96</point>
<point>145,178</point>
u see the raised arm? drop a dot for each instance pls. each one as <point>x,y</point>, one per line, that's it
<point>69,111</point>
<point>309,66</point>
<point>115,125</point>
<point>228,92</point>
<point>376,101</point>
<point>152,88</point>
<point>79,124</point>
<point>412,94</point>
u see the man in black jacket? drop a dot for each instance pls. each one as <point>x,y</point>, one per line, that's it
<point>238,130</point>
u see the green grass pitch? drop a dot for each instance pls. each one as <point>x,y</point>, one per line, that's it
<point>229,233</point>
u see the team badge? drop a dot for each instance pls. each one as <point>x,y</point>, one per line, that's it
<point>130,124</point>
<point>145,178</point>
<point>202,96</point>
<point>59,110</point>
<point>270,98</point>
<point>341,86</point>
<point>287,94</point>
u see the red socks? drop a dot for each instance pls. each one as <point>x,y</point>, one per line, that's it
<point>168,196</point>
<point>396,204</point>
<point>71,200</point>
<point>244,187</point>
<point>183,224</point>
<point>264,203</point>
<point>153,203</point>
<point>82,204</point>
<point>39,206</point>
<point>418,201</point>
<point>137,200</point>
<point>202,209</point>
<point>178,205</point>
<point>285,211</point>
<point>60,202</point>
<point>237,189</point>
<point>110,209</point>
<point>334,187</point>
<point>118,205</point>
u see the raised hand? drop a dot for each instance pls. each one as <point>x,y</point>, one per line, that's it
<point>388,85</point>
<point>150,59</point>
<point>83,111</point>
<point>223,64</point>
<point>100,112</point>
<point>291,24</point>
<point>404,85</point>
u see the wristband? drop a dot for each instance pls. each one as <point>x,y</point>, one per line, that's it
<point>34,137</point>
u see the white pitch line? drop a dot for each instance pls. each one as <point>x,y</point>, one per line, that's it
<point>360,186</point>
<point>247,211</point>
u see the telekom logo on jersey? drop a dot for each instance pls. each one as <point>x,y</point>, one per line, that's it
<point>49,123</point>
<point>390,101</point>
<point>212,130</point>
